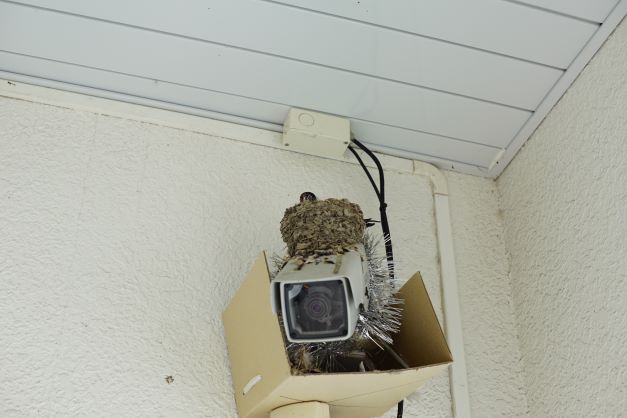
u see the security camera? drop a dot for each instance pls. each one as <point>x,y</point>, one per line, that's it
<point>320,300</point>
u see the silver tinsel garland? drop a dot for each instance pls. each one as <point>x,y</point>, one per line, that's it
<point>375,325</point>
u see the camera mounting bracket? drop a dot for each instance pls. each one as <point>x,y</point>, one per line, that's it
<point>302,410</point>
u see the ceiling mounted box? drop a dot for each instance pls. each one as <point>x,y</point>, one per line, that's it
<point>316,133</point>
<point>263,379</point>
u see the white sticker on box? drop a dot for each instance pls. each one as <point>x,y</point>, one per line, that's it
<point>251,383</point>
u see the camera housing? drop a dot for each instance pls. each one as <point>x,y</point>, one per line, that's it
<point>320,301</point>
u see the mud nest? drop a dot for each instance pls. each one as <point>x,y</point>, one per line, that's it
<point>322,227</point>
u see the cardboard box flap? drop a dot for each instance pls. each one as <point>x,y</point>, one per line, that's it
<point>254,339</point>
<point>420,341</point>
<point>376,404</point>
<point>352,389</point>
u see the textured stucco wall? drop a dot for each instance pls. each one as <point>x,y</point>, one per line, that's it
<point>564,202</point>
<point>123,241</point>
<point>490,334</point>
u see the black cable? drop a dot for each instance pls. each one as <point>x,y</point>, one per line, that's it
<point>399,409</point>
<point>361,163</point>
<point>380,191</point>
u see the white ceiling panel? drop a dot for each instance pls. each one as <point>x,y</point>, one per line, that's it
<point>458,83</point>
<point>492,25</point>
<point>159,56</point>
<point>594,10</point>
<point>327,41</point>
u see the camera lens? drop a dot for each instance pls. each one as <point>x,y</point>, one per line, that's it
<point>316,310</point>
<point>318,306</point>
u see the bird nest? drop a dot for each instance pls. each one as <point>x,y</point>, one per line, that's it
<point>322,227</point>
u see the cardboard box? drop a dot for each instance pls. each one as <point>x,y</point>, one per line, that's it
<point>262,377</point>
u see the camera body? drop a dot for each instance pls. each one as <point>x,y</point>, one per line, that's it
<point>320,301</point>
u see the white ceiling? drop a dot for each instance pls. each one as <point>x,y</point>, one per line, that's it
<point>458,83</point>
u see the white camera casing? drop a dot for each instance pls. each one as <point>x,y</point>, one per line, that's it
<point>350,268</point>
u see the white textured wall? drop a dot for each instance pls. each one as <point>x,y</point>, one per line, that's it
<point>564,201</point>
<point>123,241</point>
<point>490,334</point>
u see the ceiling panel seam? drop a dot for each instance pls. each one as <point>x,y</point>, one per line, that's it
<point>553,11</point>
<point>376,147</point>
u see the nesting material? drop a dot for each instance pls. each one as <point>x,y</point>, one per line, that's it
<point>322,227</point>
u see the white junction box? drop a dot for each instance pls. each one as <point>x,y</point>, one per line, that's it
<point>316,133</point>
